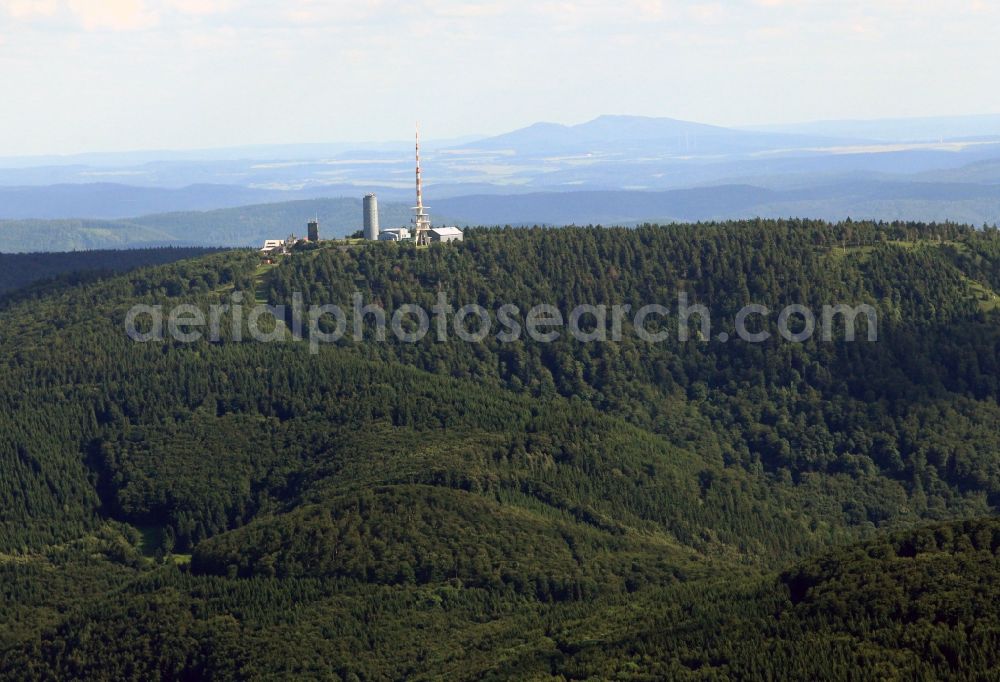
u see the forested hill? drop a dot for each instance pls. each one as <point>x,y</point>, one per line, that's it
<point>230,227</point>
<point>19,270</point>
<point>381,510</point>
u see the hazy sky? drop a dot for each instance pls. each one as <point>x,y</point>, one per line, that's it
<point>90,75</point>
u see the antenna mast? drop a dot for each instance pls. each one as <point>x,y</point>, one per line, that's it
<point>421,219</point>
<point>420,186</point>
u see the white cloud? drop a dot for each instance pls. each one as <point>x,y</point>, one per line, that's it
<point>114,15</point>
<point>25,9</point>
<point>91,15</point>
<point>201,7</point>
<point>117,15</point>
<point>468,10</point>
<point>207,72</point>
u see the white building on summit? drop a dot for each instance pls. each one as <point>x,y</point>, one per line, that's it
<point>394,234</point>
<point>445,234</point>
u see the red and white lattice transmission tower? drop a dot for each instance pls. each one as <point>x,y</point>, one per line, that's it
<point>421,219</point>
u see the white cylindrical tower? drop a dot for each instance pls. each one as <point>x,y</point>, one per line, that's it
<point>371,217</point>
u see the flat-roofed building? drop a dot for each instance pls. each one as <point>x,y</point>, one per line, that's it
<point>394,234</point>
<point>445,234</point>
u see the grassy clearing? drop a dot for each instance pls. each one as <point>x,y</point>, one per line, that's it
<point>988,299</point>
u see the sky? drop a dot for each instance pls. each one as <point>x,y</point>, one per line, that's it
<point>116,75</point>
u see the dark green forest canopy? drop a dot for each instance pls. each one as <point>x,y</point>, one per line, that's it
<point>54,269</point>
<point>620,509</point>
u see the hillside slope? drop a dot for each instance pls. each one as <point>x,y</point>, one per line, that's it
<point>20,270</point>
<point>384,510</point>
<point>229,227</point>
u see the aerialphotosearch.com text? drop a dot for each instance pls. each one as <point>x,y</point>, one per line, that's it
<point>543,323</point>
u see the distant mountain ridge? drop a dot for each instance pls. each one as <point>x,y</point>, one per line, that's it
<point>628,133</point>
<point>897,130</point>
<point>838,198</point>
<point>234,227</point>
<point>881,200</point>
<point>602,129</point>
<point>105,200</point>
<point>610,170</point>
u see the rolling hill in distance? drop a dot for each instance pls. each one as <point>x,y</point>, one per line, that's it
<point>243,226</point>
<point>628,134</point>
<point>972,203</point>
<point>612,170</point>
<point>896,130</point>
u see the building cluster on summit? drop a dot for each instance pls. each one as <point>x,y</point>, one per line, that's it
<point>423,233</point>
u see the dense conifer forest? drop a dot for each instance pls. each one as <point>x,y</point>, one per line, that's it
<point>17,271</point>
<point>686,509</point>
